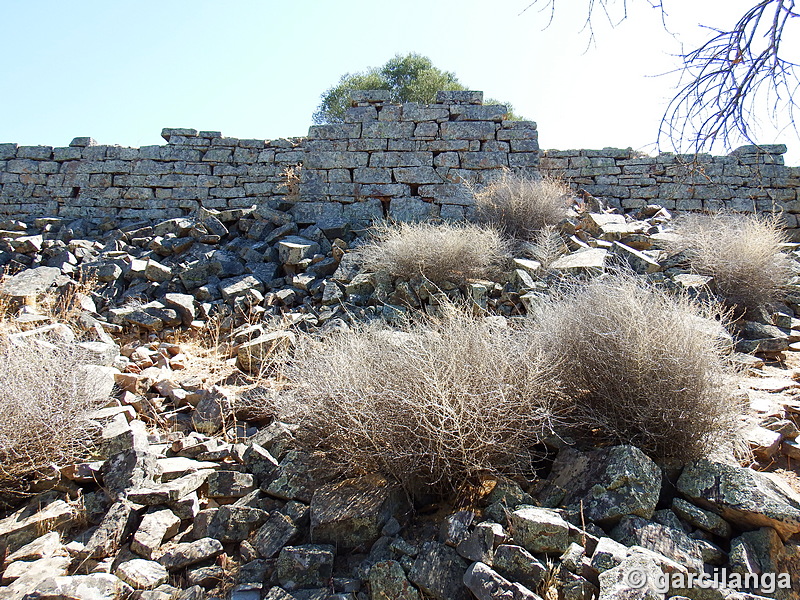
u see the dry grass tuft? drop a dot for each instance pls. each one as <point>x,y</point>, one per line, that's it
<point>741,252</point>
<point>520,206</point>
<point>436,404</point>
<point>446,252</point>
<point>642,367</point>
<point>47,393</point>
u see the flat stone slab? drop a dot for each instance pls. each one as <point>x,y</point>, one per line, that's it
<point>742,496</point>
<point>29,282</point>
<point>29,523</point>
<point>593,259</point>
<point>351,513</point>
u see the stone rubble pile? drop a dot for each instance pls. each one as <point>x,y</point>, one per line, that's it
<point>195,494</point>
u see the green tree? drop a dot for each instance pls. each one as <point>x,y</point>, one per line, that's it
<point>409,78</point>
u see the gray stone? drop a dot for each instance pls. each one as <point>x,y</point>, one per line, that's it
<point>638,261</point>
<point>309,566</point>
<point>142,574</point>
<point>636,578</point>
<point>44,546</point>
<point>96,586</point>
<point>256,355</point>
<point>540,530</point>
<point>742,496</point>
<point>118,522</point>
<point>517,564</point>
<point>276,532</point>
<point>234,287</point>
<point>478,546</point>
<point>672,543</point>
<point>439,572</point>
<point>487,584</point>
<point>704,519</point>
<point>214,409</point>
<point>171,491</point>
<point>189,553</point>
<point>351,513</point>
<point>128,469</point>
<point>260,463</point>
<point>155,527</point>
<point>27,574</point>
<point>293,480</point>
<point>387,581</point>
<point>592,260</point>
<point>234,523</point>
<point>608,554</point>
<point>39,516</point>
<point>605,484</point>
<point>29,282</point>
<point>229,484</point>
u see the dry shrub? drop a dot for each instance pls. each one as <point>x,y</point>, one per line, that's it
<point>434,404</point>
<point>741,253</point>
<point>47,393</point>
<point>446,252</point>
<point>642,367</point>
<point>519,206</point>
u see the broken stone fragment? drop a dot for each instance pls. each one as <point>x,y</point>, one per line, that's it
<point>229,484</point>
<point>387,581</point>
<point>28,523</point>
<point>672,543</point>
<point>308,566</point>
<point>118,522</point>
<point>590,261</point>
<point>351,513</point>
<point>439,572</point>
<point>704,519</point>
<point>96,586</point>
<point>637,577</point>
<point>487,584</point>
<point>540,530</point>
<point>742,496</point>
<point>156,526</point>
<point>517,564</point>
<point>605,484</point>
<point>142,574</point>
<point>29,283</point>
<point>274,534</point>
<point>188,553</point>
<point>255,356</point>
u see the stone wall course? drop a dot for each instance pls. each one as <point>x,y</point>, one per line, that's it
<point>405,161</point>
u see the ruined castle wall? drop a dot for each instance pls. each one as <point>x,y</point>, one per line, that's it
<point>749,179</point>
<point>405,161</point>
<point>401,161</point>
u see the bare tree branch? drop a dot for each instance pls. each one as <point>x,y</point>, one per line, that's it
<point>732,79</point>
<point>727,83</point>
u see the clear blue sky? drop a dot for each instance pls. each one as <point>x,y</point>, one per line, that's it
<point>120,71</point>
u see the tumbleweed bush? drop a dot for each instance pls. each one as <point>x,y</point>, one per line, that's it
<point>440,252</point>
<point>741,252</point>
<point>48,392</point>
<point>435,404</point>
<point>520,206</point>
<point>641,367</point>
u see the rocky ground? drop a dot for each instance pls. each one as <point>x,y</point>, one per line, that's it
<point>196,492</point>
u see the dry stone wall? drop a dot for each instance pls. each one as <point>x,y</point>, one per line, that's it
<point>749,179</point>
<point>401,161</point>
<point>406,162</point>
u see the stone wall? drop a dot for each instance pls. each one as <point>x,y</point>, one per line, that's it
<point>749,179</point>
<point>404,161</point>
<point>401,161</point>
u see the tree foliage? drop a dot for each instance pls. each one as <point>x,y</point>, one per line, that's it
<point>409,78</point>
<point>736,76</point>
